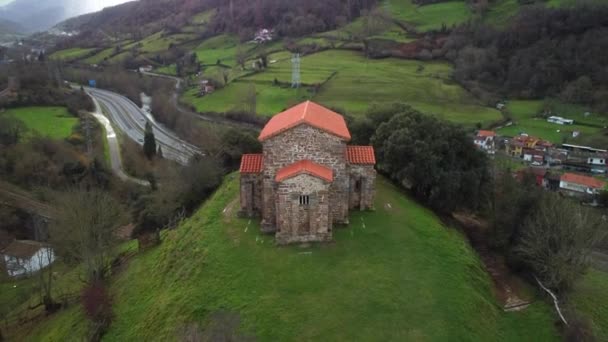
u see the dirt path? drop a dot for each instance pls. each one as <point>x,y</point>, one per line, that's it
<point>507,286</point>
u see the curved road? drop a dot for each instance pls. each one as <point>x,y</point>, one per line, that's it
<point>131,120</point>
<point>115,158</point>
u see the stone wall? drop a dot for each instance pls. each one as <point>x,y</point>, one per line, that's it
<point>251,194</point>
<point>299,143</point>
<point>362,187</point>
<point>296,222</point>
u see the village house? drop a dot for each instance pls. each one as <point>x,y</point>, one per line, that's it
<point>579,185</point>
<point>24,257</point>
<point>307,179</point>
<point>520,144</point>
<point>485,141</point>
<point>559,120</point>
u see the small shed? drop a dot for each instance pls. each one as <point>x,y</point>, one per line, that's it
<point>25,257</point>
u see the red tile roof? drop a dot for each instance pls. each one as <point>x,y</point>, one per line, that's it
<point>309,113</point>
<point>583,180</point>
<point>307,167</point>
<point>483,133</point>
<point>252,163</point>
<point>360,155</point>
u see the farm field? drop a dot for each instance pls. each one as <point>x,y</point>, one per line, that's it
<point>70,54</point>
<point>99,57</point>
<point>429,17</point>
<point>355,83</point>
<point>591,299</point>
<point>220,48</point>
<point>384,278</point>
<point>53,122</point>
<point>526,121</point>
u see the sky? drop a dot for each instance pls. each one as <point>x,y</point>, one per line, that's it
<point>96,5</point>
<point>92,5</point>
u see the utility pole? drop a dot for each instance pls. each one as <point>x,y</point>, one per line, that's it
<point>295,71</point>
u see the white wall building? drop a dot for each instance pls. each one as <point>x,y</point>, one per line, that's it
<point>24,257</point>
<point>599,160</point>
<point>560,121</point>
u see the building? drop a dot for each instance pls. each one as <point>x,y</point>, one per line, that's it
<point>521,145</point>
<point>485,141</point>
<point>576,184</point>
<point>559,120</point>
<point>24,257</point>
<point>307,178</point>
<point>537,157</point>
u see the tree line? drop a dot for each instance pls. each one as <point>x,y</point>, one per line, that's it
<point>543,52</point>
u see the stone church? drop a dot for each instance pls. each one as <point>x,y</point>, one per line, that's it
<point>307,178</point>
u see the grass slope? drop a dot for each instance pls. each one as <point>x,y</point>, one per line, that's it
<point>526,121</point>
<point>54,122</point>
<point>590,297</point>
<point>429,17</point>
<point>70,54</point>
<point>393,274</point>
<point>357,83</point>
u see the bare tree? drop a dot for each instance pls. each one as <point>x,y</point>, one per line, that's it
<point>558,239</point>
<point>83,229</point>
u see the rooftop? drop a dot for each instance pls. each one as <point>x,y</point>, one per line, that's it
<point>22,249</point>
<point>483,133</point>
<point>309,113</point>
<point>360,155</point>
<point>252,163</point>
<point>583,180</point>
<point>305,167</point>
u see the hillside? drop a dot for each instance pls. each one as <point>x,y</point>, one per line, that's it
<point>394,274</point>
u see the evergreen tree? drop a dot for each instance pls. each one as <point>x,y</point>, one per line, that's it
<point>149,142</point>
<point>159,152</point>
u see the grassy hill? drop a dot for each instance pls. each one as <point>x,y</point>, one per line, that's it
<point>394,274</point>
<point>54,122</point>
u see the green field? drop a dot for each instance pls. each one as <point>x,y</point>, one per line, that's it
<point>393,274</point>
<point>221,48</point>
<point>53,122</point>
<point>429,17</point>
<point>167,70</point>
<point>357,83</point>
<point>159,42</point>
<point>100,57</point>
<point>526,121</point>
<point>70,54</point>
<point>590,297</point>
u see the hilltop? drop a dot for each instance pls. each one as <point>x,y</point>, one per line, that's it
<point>396,273</point>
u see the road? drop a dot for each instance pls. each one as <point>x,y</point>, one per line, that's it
<point>130,119</point>
<point>115,158</point>
<point>210,118</point>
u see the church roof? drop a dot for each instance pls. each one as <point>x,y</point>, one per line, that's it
<point>360,155</point>
<point>305,167</point>
<point>309,113</point>
<point>252,163</point>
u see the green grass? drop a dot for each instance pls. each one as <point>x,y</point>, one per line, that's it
<point>360,82</point>
<point>99,57</point>
<point>429,17</point>
<point>270,99</point>
<point>119,58</point>
<point>526,121</point>
<point>53,122</point>
<point>70,54</point>
<point>221,48</point>
<point>402,276</point>
<point>159,42</point>
<point>590,297</point>
<point>167,70</point>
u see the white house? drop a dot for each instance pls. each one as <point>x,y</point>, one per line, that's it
<point>581,185</point>
<point>485,140</point>
<point>25,257</point>
<point>560,121</point>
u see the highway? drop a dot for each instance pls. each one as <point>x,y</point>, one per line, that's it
<point>131,120</point>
